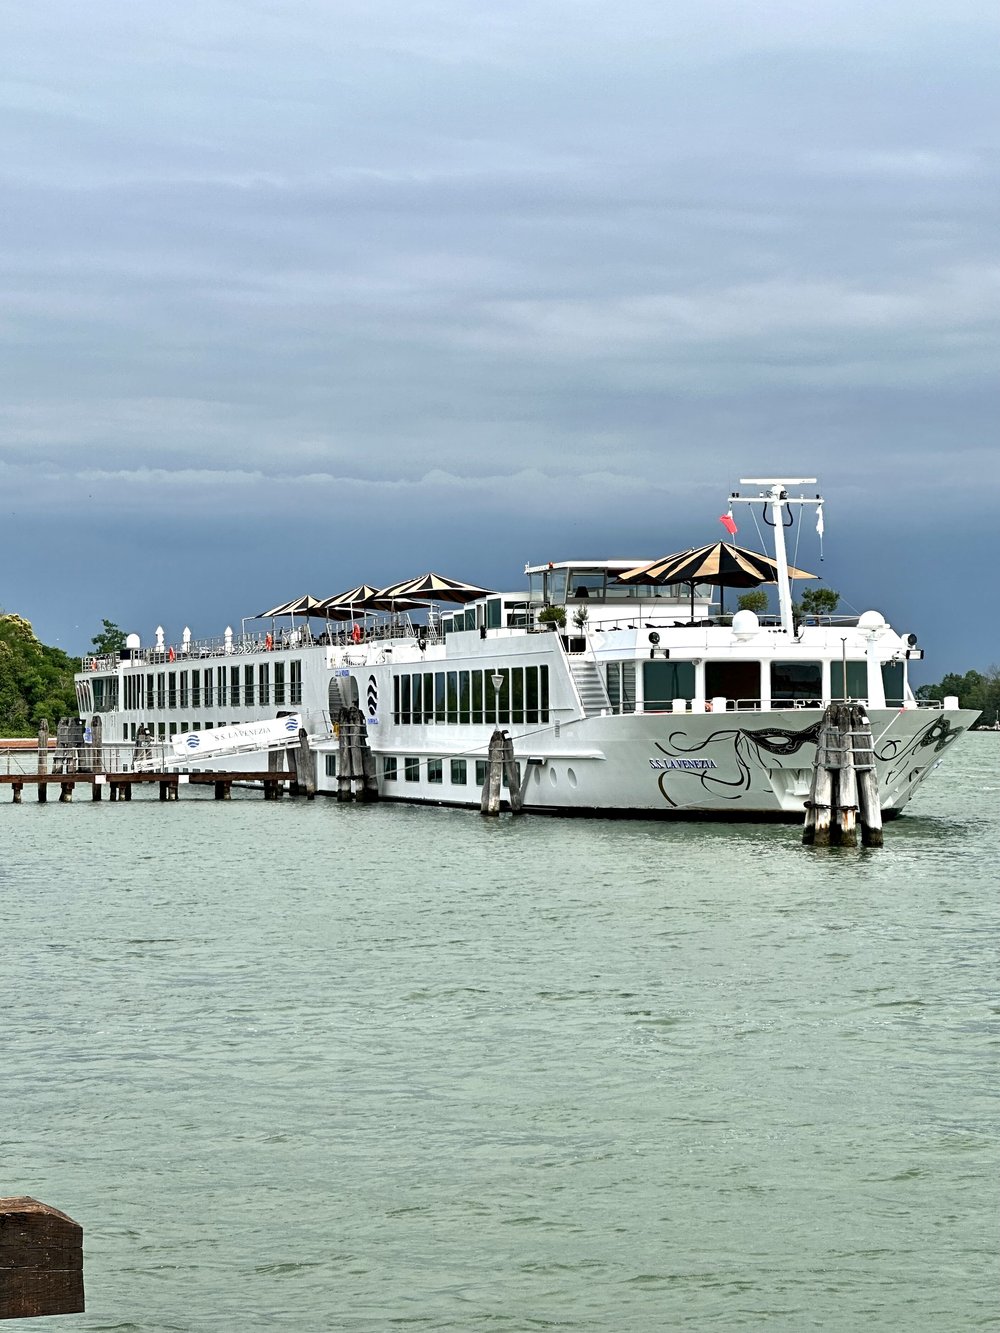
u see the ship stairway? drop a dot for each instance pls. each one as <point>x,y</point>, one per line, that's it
<point>163,758</point>
<point>589,686</point>
<point>335,696</point>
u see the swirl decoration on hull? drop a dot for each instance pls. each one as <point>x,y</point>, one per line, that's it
<point>746,753</point>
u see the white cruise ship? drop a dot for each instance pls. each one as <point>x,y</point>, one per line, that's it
<point>644,703</point>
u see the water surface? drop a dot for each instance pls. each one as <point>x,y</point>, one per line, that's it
<point>306,1066</point>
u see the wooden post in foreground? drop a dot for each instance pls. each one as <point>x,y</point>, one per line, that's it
<point>41,1260</point>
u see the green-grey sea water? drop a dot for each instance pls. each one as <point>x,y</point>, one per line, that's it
<point>305,1066</point>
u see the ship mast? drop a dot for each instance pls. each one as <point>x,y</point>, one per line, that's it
<point>776,495</point>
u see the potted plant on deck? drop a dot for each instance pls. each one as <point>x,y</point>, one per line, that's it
<point>552,617</point>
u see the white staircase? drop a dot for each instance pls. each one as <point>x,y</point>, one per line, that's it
<point>589,686</point>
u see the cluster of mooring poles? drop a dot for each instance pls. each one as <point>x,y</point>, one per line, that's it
<point>41,1260</point>
<point>356,777</point>
<point>845,782</point>
<point>500,763</point>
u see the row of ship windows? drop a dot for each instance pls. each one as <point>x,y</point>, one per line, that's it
<point>508,694</point>
<point>212,687</point>
<point>434,770</point>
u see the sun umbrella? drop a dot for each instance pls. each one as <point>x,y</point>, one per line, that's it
<point>721,564</point>
<point>363,598</point>
<point>434,588</point>
<point>298,606</point>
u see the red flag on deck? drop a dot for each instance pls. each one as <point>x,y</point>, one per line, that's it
<point>727,522</point>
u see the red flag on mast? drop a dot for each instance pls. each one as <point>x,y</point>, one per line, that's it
<point>727,522</point>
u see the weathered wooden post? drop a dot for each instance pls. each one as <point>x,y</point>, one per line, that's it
<point>95,757</point>
<point>489,803</point>
<point>61,754</point>
<point>847,792</point>
<point>864,763</point>
<point>41,1260</point>
<point>512,776</point>
<point>43,759</point>
<point>305,766</point>
<point>819,807</point>
<point>17,789</point>
<point>344,755</point>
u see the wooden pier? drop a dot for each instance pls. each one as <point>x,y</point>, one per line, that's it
<point>119,785</point>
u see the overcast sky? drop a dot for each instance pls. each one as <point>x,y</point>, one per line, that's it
<point>296,295</point>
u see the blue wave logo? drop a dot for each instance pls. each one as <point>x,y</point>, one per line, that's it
<point>292,725</point>
<point>193,742</point>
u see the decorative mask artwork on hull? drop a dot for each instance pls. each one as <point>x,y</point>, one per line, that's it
<point>737,756</point>
<point>906,757</point>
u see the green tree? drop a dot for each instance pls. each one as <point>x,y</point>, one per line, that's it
<point>819,602</point>
<point>110,639</point>
<point>552,615</point>
<point>756,601</point>
<point>973,690</point>
<point>36,682</point>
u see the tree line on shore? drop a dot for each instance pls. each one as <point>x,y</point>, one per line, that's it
<point>976,689</point>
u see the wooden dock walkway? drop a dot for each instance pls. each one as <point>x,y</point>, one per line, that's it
<point>119,785</point>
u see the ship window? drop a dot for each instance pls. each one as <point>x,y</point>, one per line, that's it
<point>295,682</point>
<point>207,687</point>
<point>279,682</point>
<point>662,682</point>
<point>195,689</point>
<point>416,708</point>
<point>184,689</point>
<point>584,583</point>
<point>405,706</point>
<point>428,696</point>
<point>435,770</point>
<point>411,769</point>
<point>452,696</point>
<point>517,694</point>
<point>234,686</point>
<point>892,683</point>
<point>493,610</point>
<point>481,767</point>
<point>161,689</point>
<point>531,694</point>
<point>173,728</point>
<point>857,680</point>
<point>459,775</point>
<point>149,692</point>
<point>464,700</point>
<point>739,681</point>
<point>792,681</point>
<point>477,696</point>
<point>389,768</point>
<point>331,765</point>
<point>264,683</point>
<point>248,686</point>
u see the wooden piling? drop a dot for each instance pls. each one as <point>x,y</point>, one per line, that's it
<point>66,792</point>
<point>43,747</point>
<point>489,803</point>
<point>869,805</point>
<point>41,1260</point>
<point>305,766</point>
<point>512,776</point>
<point>17,788</point>
<point>845,782</point>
